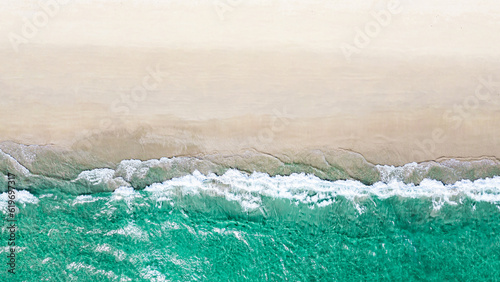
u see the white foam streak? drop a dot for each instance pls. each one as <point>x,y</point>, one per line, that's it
<point>96,176</point>
<point>23,197</point>
<point>248,190</point>
<point>389,172</point>
<point>101,176</point>
<point>19,168</point>
<point>84,199</point>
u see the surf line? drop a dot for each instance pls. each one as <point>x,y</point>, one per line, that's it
<point>11,223</point>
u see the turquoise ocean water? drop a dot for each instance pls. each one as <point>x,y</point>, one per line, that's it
<point>243,226</point>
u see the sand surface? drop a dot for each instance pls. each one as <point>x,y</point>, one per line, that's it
<point>268,76</point>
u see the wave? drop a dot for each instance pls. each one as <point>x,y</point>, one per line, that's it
<point>40,167</point>
<point>215,210</point>
<point>251,191</point>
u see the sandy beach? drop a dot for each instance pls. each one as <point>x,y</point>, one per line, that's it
<point>250,140</point>
<point>171,79</point>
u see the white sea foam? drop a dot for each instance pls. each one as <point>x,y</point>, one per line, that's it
<point>74,266</point>
<point>131,167</point>
<point>84,199</point>
<point>152,275</point>
<point>23,197</point>
<point>19,168</point>
<point>101,176</point>
<point>125,193</point>
<point>248,190</point>
<point>104,248</point>
<point>96,176</point>
<point>137,168</point>
<point>128,171</point>
<point>131,230</point>
<point>389,172</point>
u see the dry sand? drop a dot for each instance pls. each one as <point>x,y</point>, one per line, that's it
<point>269,77</point>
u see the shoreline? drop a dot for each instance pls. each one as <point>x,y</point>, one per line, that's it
<point>373,137</point>
<point>53,166</point>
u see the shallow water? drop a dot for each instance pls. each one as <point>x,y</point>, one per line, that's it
<point>254,227</point>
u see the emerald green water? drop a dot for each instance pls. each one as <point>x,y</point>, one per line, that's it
<point>137,236</point>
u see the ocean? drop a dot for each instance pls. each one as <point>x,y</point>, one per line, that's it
<point>184,219</point>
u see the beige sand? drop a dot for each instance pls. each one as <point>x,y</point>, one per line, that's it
<point>270,77</point>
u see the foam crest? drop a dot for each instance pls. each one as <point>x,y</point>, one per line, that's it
<point>43,166</point>
<point>84,199</point>
<point>101,177</point>
<point>447,171</point>
<point>96,176</point>
<point>22,197</point>
<point>249,190</point>
<point>12,164</point>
